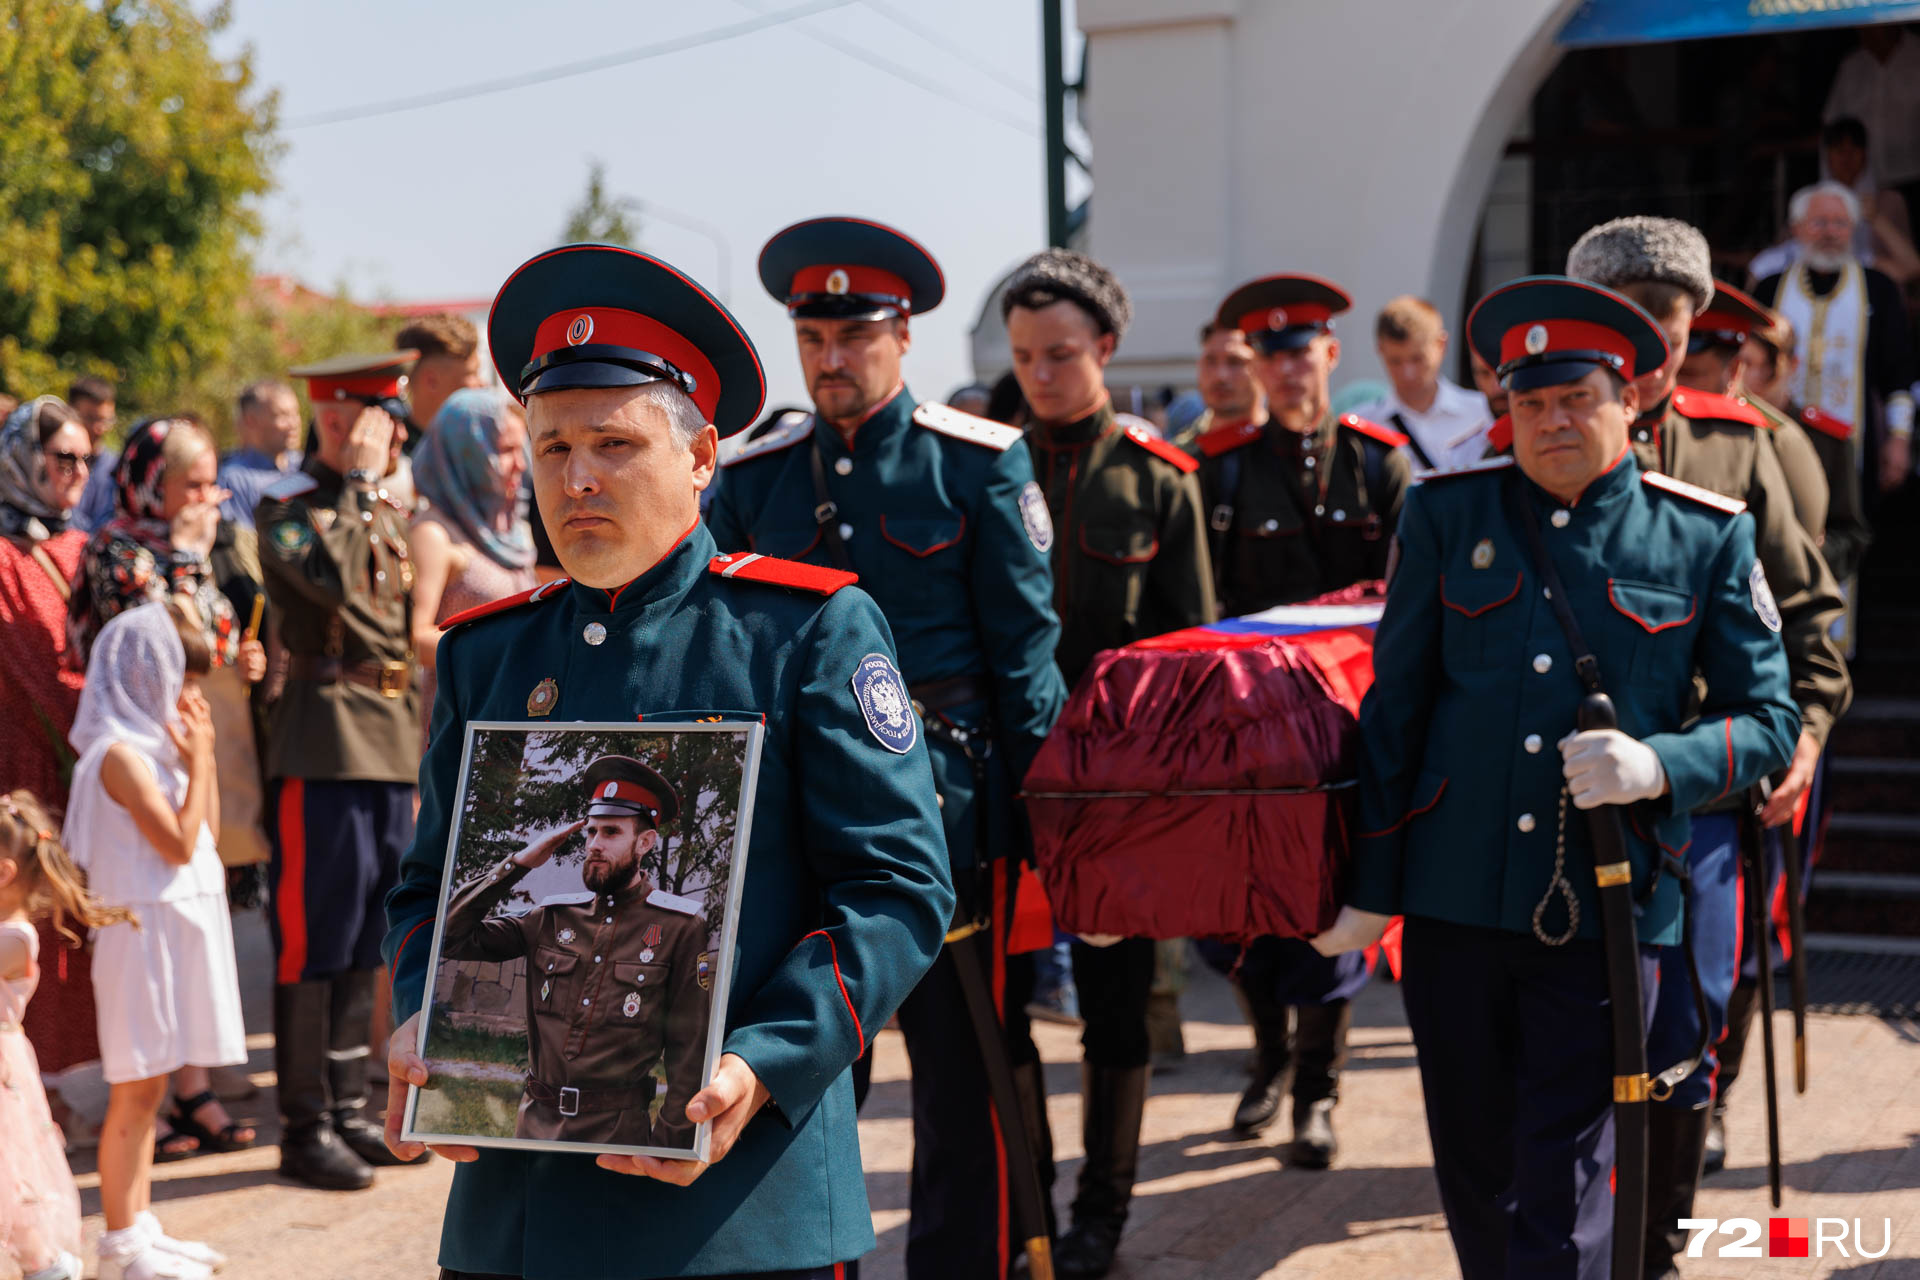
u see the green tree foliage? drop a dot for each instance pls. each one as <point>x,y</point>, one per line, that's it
<point>129,155</point>
<point>522,785</point>
<point>600,217</point>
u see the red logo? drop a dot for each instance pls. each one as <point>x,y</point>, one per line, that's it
<point>1786,1237</point>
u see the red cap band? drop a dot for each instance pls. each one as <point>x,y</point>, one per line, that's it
<point>376,386</point>
<point>829,278</point>
<point>1288,317</point>
<point>632,792</point>
<point>1711,321</point>
<point>1545,337</point>
<point>607,326</point>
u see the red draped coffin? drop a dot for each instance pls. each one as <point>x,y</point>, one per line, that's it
<point>1199,784</point>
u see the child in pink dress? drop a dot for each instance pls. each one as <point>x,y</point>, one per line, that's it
<point>39,1207</point>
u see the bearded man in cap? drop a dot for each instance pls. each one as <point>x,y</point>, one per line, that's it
<point>1724,447</point>
<point>629,371</point>
<point>593,1082</point>
<point>1129,560</point>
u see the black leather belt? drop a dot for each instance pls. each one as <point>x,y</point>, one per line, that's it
<point>570,1101</point>
<point>391,679</point>
<point>941,695</point>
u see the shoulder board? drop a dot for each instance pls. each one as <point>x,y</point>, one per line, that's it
<point>1704,404</point>
<point>291,485</point>
<point>1826,423</point>
<point>1500,434</point>
<point>674,902</point>
<point>567,899</point>
<point>542,592</point>
<point>1226,439</point>
<point>749,566</point>
<point>964,426</point>
<point>1142,434</point>
<point>783,435</point>
<point>1705,497</point>
<point>1385,435</point>
<point>1485,464</point>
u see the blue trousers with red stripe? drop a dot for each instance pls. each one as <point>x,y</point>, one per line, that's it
<point>336,853</point>
<point>1713,924</point>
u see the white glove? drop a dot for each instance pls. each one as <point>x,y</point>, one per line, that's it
<point>1605,766</point>
<point>1100,939</point>
<point>1353,930</point>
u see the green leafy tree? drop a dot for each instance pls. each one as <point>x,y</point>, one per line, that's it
<point>600,217</point>
<point>129,159</point>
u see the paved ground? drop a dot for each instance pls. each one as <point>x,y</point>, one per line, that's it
<point>1206,1207</point>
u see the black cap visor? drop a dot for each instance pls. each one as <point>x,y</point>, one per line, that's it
<point>847,306</point>
<point>596,365</point>
<point>1555,368</point>
<point>1295,337</point>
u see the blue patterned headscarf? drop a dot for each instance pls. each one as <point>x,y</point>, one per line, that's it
<point>453,470</point>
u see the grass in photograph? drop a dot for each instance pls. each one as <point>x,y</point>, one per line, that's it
<point>475,1108</point>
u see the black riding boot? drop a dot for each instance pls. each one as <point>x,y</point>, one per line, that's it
<point>1676,1137</point>
<point>1261,1101</point>
<point>1731,1052</point>
<point>310,1151</point>
<point>1114,1098</point>
<point>1319,1051</point>
<point>349,1059</point>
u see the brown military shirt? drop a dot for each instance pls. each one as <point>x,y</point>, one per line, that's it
<point>1847,532</point>
<point>1723,446</point>
<point>334,558</point>
<point>1294,516</point>
<point>1800,463</point>
<point>616,984</point>
<point>1129,546</point>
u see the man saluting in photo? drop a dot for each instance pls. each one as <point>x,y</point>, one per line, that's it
<point>626,368</point>
<point>614,975</point>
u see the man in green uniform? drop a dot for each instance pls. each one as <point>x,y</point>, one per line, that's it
<point>1469,759</point>
<point>938,513</point>
<point>1228,386</point>
<point>343,746</point>
<point>1723,446</point>
<point>626,367</point>
<point>1129,561</point>
<point>1300,505</point>
<point>615,975</point>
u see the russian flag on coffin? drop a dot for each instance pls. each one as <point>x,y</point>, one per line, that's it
<point>1199,784</point>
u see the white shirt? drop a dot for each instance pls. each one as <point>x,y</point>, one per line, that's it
<point>1452,432</point>
<point>1885,97</point>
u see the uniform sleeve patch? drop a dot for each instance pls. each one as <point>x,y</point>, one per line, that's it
<point>292,536</point>
<point>1763,602</point>
<point>1035,517</point>
<point>883,700</point>
<point>703,971</point>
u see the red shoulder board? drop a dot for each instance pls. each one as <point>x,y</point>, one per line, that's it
<point>1385,435</point>
<point>1689,403</point>
<point>1705,497</point>
<point>1161,449</point>
<point>504,603</point>
<point>1226,439</point>
<point>747,566</point>
<point>1826,423</point>
<point>1500,434</point>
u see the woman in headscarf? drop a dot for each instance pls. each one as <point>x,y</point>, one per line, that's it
<point>472,542</point>
<point>43,468</point>
<point>158,543</point>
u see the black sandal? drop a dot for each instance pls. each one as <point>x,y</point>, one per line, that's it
<point>173,1144</point>
<point>222,1139</point>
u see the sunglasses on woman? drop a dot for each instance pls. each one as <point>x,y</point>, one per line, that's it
<point>68,463</point>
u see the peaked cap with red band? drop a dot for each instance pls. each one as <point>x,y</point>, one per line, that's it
<point>1728,320</point>
<point>1285,312</point>
<point>378,375</point>
<point>1542,331</point>
<point>598,315</point>
<point>622,787</point>
<point>850,269</point>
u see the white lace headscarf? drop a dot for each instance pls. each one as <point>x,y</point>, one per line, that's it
<point>134,678</point>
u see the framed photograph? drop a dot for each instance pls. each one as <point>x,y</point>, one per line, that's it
<point>583,947</point>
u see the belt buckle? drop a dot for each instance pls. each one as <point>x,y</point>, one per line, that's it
<point>569,1101</point>
<point>394,679</point>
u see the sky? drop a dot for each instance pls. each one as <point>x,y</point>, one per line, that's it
<point>924,114</point>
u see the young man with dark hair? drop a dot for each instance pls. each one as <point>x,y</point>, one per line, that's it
<point>266,417</point>
<point>92,399</point>
<point>1228,388</point>
<point>449,348</point>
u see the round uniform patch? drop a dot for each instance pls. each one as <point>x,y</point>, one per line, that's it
<point>883,700</point>
<point>580,330</point>
<point>1035,516</point>
<point>1763,602</point>
<point>293,535</point>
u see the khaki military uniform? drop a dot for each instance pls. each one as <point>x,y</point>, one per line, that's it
<point>1800,463</point>
<point>616,983</point>
<point>1847,532</point>
<point>1294,516</point>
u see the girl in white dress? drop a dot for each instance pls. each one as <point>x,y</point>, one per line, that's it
<point>142,821</point>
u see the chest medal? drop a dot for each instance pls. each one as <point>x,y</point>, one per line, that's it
<point>546,989</point>
<point>631,1006</point>
<point>566,935</point>
<point>544,698</point>
<point>1483,554</point>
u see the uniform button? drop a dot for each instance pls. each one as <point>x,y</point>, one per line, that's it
<point>1543,662</point>
<point>844,466</point>
<point>549,966</point>
<point>596,959</point>
<point>379,575</point>
<point>1532,744</point>
<point>594,633</point>
<point>1271,525</point>
<point>1319,511</point>
<point>1339,515</point>
<point>367,516</point>
<point>588,1000</point>
<point>1526,822</point>
<point>846,532</point>
<point>1561,518</point>
<point>1311,463</point>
